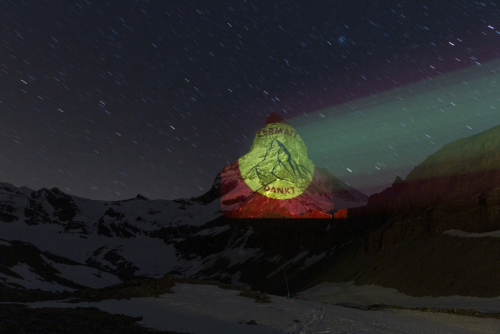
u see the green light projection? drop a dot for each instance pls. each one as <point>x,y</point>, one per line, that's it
<point>277,165</point>
<point>370,141</point>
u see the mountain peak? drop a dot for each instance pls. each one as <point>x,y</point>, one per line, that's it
<point>275,118</point>
<point>276,179</point>
<point>139,196</point>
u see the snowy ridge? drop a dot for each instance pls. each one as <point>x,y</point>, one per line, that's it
<point>131,237</point>
<point>105,242</point>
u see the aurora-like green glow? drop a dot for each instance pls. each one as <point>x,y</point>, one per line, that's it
<point>368,142</point>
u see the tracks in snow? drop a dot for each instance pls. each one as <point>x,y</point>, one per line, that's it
<point>310,322</point>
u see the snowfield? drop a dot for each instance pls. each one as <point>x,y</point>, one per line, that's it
<point>205,309</point>
<point>463,234</point>
<point>349,294</point>
<point>83,275</point>
<point>30,280</point>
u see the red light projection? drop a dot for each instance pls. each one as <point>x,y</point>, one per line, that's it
<point>276,179</point>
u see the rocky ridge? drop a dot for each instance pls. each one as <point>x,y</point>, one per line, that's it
<point>458,187</point>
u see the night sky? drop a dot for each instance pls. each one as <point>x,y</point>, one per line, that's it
<point>108,99</point>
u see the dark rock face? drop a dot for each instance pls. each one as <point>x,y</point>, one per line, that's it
<point>458,187</point>
<point>275,118</point>
<point>459,170</point>
<point>427,265</point>
<point>211,195</point>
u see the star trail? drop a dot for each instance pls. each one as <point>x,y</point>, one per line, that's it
<point>106,99</point>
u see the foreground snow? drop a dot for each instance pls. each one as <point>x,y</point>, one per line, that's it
<point>349,294</point>
<point>463,234</point>
<point>209,309</point>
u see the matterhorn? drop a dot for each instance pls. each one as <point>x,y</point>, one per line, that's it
<point>276,179</point>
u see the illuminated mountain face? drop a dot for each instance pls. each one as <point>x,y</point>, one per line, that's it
<point>276,179</point>
<point>277,165</point>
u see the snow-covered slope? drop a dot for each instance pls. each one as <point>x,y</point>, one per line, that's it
<point>347,293</point>
<point>25,266</point>
<point>108,241</point>
<point>209,309</point>
<point>94,238</point>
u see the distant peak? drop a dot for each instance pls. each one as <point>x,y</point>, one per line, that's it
<point>275,118</point>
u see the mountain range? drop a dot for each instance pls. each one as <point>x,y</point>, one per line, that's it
<point>406,237</point>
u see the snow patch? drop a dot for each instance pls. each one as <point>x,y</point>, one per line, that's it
<point>152,256</point>
<point>211,310</point>
<point>365,295</point>
<point>295,259</point>
<point>30,280</point>
<point>240,255</point>
<point>313,259</point>
<point>213,231</point>
<point>275,258</point>
<point>83,275</point>
<point>463,234</point>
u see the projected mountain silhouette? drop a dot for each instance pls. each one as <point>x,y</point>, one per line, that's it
<point>278,163</point>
